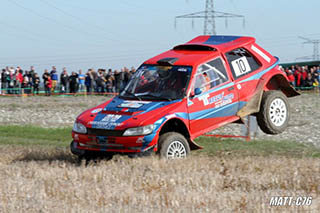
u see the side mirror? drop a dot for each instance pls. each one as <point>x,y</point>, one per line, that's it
<point>197,91</point>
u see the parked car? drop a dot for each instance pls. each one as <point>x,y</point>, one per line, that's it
<point>184,93</point>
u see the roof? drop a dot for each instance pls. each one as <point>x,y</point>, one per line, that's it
<point>189,57</point>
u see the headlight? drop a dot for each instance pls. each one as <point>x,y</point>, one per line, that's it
<point>80,128</point>
<point>143,130</point>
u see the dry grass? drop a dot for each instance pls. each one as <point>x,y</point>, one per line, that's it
<point>50,180</point>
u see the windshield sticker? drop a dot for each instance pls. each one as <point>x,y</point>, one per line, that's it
<point>241,66</point>
<point>182,69</point>
<point>133,104</point>
<point>96,110</point>
<point>218,100</point>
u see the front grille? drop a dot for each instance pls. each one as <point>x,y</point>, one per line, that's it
<point>105,132</point>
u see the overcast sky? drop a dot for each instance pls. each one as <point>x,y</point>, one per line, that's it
<point>81,34</point>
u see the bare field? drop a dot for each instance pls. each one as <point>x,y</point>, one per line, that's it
<point>50,180</point>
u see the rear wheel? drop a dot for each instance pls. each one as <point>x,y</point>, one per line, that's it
<point>173,145</point>
<point>274,114</point>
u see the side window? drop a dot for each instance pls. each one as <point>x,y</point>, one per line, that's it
<point>242,62</point>
<point>210,74</point>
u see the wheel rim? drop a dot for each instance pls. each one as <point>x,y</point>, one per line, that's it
<point>278,112</point>
<point>176,150</point>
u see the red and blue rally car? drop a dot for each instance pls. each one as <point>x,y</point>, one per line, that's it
<point>183,93</point>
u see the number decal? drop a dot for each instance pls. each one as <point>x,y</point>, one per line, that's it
<point>241,66</point>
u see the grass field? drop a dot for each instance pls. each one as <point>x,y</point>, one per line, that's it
<point>37,173</point>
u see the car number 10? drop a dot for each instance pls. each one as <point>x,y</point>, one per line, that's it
<point>241,66</point>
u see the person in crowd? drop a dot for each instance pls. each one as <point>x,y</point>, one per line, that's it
<point>81,81</point>
<point>126,76</point>
<point>54,78</point>
<point>291,78</point>
<point>36,83</point>
<point>73,82</point>
<point>64,79</point>
<point>101,81</point>
<point>309,81</point>
<point>118,80</point>
<point>304,74</point>
<point>109,85</point>
<point>18,81</point>
<point>45,77</point>
<point>10,80</point>
<point>132,71</point>
<point>298,77</point>
<point>32,72</point>
<point>48,86</point>
<point>25,82</point>
<point>3,81</point>
<point>94,77</point>
<point>88,81</point>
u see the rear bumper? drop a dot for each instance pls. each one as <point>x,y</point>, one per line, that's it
<point>132,144</point>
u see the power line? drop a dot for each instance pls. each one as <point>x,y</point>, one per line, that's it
<point>71,28</point>
<point>315,43</point>
<point>81,20</point>
<point>209,15</point>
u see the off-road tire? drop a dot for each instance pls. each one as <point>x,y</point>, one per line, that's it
<point>173,145</point>
<point>274,113</point>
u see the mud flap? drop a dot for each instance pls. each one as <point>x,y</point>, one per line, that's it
<point>251,106</point>
<point>193,145</point>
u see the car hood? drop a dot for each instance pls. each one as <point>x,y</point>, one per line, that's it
<point>121,114</point>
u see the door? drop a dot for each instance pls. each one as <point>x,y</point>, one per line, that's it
<point>213,100</point>
<point>244,67</point>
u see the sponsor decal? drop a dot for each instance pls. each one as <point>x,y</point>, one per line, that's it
<point>111,118</point>
<point>218,100</point>
<point>108,122</point>
<point>140,140</point>
<point>258,51</point>
<point>133,104</point>
<point>96,110</point>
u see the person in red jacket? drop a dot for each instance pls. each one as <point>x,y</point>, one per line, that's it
<point>291,78</point>
<point>304,76</point>
<point>298,76</point>
<point>48,86</point>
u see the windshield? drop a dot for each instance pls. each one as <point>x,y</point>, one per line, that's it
<point>158,82</point>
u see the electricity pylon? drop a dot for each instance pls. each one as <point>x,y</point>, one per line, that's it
<point>209,16</point>
<point>315,43</point>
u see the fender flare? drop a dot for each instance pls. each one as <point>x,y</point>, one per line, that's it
<point>193,145</point>
<point>253,105</point>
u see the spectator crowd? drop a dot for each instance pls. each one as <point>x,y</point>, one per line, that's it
<point>18,81</point>
<point>303,77</point>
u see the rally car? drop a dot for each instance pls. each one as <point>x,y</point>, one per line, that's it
<point>184,93</point>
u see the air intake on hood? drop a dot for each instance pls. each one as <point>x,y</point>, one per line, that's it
<point>167,61</point>
<point>194,47</point>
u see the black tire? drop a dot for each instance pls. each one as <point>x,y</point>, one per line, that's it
<point>173,145</point>
<point>274,113</point>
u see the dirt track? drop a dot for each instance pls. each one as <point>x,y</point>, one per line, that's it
<point>304,125</point>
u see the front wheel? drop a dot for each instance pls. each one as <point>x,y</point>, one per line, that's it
<point>173,145</point>
<point>274,114</point>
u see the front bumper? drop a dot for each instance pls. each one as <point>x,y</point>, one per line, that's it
<point>128,144</point>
